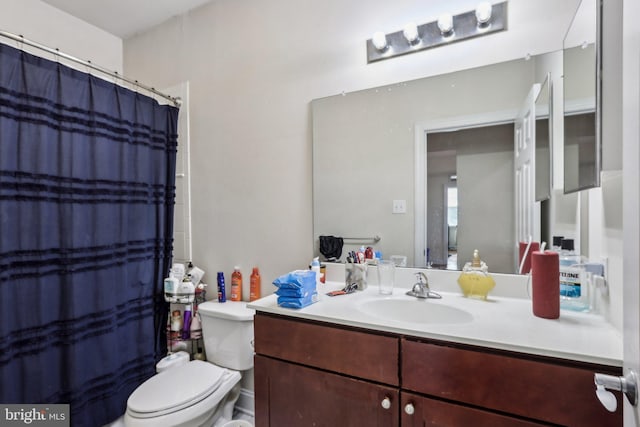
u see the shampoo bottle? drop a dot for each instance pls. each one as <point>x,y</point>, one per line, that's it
<point>236,284</point>
<point>255,285</point>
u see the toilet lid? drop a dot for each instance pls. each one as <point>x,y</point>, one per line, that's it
<point>176,388</point>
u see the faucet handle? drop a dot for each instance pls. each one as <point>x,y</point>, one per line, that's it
<point>422,278</point>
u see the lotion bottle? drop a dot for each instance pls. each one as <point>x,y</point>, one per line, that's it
<point>236,284</point>
<point>255,283</point>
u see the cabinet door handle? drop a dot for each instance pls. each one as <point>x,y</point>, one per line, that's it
<point>409,409</point>
<point>386,403</point>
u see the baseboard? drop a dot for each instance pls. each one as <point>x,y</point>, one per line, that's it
<point>245,403</point>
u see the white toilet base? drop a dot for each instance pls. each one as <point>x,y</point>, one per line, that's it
<point>216,407</point>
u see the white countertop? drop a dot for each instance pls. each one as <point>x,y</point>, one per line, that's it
<point>501,322</point>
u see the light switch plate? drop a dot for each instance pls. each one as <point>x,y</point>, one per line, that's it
<point>399,206</point>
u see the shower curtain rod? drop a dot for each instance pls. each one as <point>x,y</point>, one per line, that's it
<point>20,38</point>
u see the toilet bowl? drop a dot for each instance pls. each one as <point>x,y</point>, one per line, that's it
<point>199,393</point>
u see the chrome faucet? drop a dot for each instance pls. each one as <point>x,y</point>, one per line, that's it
<point>421,288</point>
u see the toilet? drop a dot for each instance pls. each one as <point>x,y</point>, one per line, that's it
<point>199,393</point>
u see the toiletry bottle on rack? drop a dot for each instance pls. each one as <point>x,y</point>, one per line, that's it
<point>187,291</point>
<point>195,330</point>
<point>186,324</point>
<point>171,285</point>
<point>255,284</point>
<point>222,292</point>
<point>236,284</point>
<point>176,323</point>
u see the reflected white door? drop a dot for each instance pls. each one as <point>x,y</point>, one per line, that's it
<point>527,222</point>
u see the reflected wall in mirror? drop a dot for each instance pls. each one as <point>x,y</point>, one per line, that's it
<point>582,100</point>
<point>364,158</point>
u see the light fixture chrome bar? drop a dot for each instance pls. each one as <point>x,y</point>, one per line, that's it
<point>465,26</point>
<point>175,101</point>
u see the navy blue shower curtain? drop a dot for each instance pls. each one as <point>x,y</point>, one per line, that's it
<point>87,185</point>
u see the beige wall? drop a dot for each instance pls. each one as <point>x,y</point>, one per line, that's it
<point>42,23</point>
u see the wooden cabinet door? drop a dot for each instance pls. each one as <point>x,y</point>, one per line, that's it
<point>561,393</point>
<point>287,394</point>
<point>437,413</point>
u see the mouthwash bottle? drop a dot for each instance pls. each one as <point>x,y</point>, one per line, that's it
<point>574,289</point>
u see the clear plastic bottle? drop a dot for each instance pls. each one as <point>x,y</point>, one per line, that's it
<point>255,284</point>
<point>236,284</point>
<point>574,290</point>
<point>315,267</point>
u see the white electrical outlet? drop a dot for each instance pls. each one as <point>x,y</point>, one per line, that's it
<point>399,206</point>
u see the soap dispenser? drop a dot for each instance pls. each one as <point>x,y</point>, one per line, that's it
<point>475,281</point>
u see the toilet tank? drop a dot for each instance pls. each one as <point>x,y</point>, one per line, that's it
<point>227,330</point>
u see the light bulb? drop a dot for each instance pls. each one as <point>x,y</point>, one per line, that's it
<point>445,23</point>
<point>410,32</point>
<point>483,12</point>
<point>379,40</point>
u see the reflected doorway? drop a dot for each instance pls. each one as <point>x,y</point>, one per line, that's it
<point>470,197</point>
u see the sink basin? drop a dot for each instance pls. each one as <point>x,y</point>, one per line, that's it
<point>414,311</point>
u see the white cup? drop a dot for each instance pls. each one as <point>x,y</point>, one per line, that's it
<point>386,276</point>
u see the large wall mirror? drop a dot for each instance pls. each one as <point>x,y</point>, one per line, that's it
<point>582,98</point>
<point>370,146</point>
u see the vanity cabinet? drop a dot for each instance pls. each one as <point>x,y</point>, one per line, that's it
<point>323,374</point>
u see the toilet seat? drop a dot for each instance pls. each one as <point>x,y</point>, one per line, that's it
<point>175,389</point>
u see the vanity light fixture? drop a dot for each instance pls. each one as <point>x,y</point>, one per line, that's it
<point>410,32</point>
<point>486,19</point>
